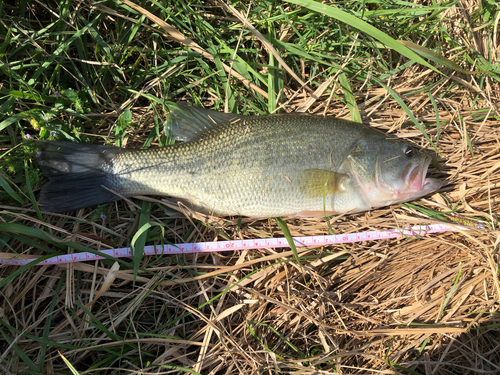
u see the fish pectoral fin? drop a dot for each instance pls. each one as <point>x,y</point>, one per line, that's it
<point>317,183</point>
<point>187,123</point>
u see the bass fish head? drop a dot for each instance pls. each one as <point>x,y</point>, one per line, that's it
<point>390,172</point>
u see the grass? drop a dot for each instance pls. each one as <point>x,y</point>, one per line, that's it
<point>106,72</point>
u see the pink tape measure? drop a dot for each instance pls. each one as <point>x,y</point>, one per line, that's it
<point>204,247</point>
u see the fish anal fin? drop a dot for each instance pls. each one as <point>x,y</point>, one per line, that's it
<point>187,123</point>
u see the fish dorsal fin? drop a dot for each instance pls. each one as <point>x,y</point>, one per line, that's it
<point>317,183</point>
<point>187,123</point>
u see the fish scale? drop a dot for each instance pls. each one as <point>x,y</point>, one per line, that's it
<point>257,166</point>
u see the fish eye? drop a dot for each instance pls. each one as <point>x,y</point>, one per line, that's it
<point>408,150</point>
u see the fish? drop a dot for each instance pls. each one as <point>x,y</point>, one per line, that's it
<point>286,165</point>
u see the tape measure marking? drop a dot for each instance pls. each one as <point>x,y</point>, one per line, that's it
<point>203,247</point>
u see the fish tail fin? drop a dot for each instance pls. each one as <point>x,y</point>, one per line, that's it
<point>77,174</point>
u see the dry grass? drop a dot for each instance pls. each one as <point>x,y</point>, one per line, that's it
<point>427,305</point>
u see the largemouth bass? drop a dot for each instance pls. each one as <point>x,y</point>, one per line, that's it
<point>290,165</point>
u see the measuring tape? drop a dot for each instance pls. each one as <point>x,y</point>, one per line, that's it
<point>260,243</point>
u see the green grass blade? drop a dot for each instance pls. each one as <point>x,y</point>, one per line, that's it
<point>6,42</point>
<point>63,47</point>
<point>284,228</point>
<point>416,10</point>
<point>11,120</point>
<point>8,189</point>
<point>435,57</point>
<point>22,355</point>
<point>179,369</point>
<point>282,337</point>
<point>257,338</point>
<point>30,191</point>
<point>48,320</point>
<point>402,368</point>
<point>447,300</point>
<point>363,27</point>
<point>97,323</point>
<point>436,111</point>
<point>349,97</point>
<point>139,239</point>
<point>410,114</point>
<point>70,366</point>
<point>38,338</point>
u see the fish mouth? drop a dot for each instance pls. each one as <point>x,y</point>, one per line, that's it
<point>415,177</point>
